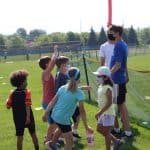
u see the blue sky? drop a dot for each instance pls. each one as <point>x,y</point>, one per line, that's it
<point>70,15</point>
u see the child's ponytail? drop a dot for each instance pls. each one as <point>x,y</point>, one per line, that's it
<point>73,75</point>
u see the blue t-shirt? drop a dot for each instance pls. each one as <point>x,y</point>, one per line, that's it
<point>120,55</point>
<point>66,105</point>
<point>60,79</point>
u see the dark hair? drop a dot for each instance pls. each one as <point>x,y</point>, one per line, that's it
<point>61,60</point>
<point>108,81</point>
<point>116,29</point>
<point>73,75</point>
<point>18,77</point>
<point>43,61</point>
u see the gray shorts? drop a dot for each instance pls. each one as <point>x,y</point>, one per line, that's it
<point>106,120</point>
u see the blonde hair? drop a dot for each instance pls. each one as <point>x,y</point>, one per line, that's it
<point>72,85</point>
<point>74,76</point>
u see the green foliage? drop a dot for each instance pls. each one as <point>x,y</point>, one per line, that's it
<point>22,33</point>
<point>102,37</point>
<point>132,37</point>
<point>92,39</point>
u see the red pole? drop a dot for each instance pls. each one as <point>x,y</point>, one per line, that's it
<point>109,13</point>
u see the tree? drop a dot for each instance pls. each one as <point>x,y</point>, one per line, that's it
<point>35,33</point>
<point>71,36</point>
<point>84,37</point>
<point>16,41</point>
<point>2,41</point>
<point>22,33</point>
<point>92,39</point>
<point>144,36</point>
<point>132,37</point>
<point>102,37</point>
<point>124,35</point>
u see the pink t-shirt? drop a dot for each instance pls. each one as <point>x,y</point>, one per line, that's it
<point>48,88</point>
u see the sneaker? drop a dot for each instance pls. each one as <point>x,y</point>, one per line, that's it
<point>50,146</point>
<point>75,135</point>
<point>123,135</point>
<point>116,145</point>
<point>60,142</point>
<point>117,134</point>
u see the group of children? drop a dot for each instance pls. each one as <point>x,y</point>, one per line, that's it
<point>63,102</point>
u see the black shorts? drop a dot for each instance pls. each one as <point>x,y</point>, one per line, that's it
<point>121,93</point>
<point>64,128</point>
<point>76,114</point>
<point>31,128</point>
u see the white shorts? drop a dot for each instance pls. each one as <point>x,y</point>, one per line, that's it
<point>106,120</point>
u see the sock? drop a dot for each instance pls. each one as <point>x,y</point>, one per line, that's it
<point>74,131</point>
<point>117,130</point>
<point>128,133</point>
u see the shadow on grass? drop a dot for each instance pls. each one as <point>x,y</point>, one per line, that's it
<point>128,142</point>
<point>78,146</point>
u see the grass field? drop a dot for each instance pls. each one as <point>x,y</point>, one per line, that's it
<point>138,88</point>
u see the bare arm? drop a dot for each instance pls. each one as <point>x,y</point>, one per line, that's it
<point>52,62</point>
<point>115,68</point>
<point>85,87</point>
<point>107,104</point>
<point>28,115</point>
<point>102,61</point>
<point>83,117</point>
<point>49,107</point>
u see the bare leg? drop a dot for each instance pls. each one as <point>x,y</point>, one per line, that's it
<point>19,142</point>
<point>35,141</point>
<point>57,134</point>
<point>50,132</point>
<point>69,140</point>
<point>124,116</point>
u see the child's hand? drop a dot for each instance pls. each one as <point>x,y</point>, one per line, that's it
<point>89,130</point>
<point>45,118</point>
<point>27,121</point>
<point>97,115</point>
<point>86,87</point>
<point>56,50</point>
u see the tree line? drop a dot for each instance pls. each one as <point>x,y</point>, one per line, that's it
<point>37,37</point>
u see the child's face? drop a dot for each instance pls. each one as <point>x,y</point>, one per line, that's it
<point>99,80</point>
<point>48,63</point>
<point>24,84</point>
<point>65,66</point>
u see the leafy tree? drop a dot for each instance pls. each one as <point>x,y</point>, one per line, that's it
<point>124,35</point>
<point>22,33</point>
<point>57,37</point>
<point>92,39</point>
<point>84,37</point>
<point>2,41</point>
<point>71,36</point>
<point>102,37</point>
<point>16,41</point>
<point>35,33</point>
<point>132,37</point>
<point>144,36</point>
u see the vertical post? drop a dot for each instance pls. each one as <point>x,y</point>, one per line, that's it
<point>86,75</point>
<point>109,13</point>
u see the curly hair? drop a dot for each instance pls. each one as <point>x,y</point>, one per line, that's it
<point>43,61</point>
<point>18,77</point>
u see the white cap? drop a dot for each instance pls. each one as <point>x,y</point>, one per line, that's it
<point>102,71</point>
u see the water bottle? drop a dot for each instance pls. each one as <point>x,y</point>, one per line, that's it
<point>90,139</point>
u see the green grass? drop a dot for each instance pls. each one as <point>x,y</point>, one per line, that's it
<point>138,107</point>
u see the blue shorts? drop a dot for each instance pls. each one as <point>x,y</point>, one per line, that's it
<point>50,120</point>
